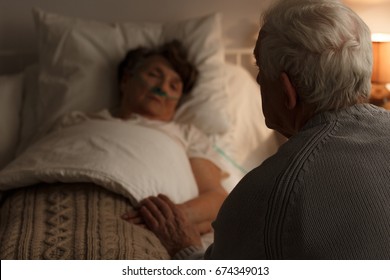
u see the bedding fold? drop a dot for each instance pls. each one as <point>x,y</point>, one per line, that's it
<point>129,159</point>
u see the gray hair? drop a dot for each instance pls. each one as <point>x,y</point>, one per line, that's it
<point>323,46</point>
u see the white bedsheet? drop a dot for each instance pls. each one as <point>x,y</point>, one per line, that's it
<point>129,159</point>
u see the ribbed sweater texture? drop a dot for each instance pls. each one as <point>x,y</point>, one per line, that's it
<point>324,195</point>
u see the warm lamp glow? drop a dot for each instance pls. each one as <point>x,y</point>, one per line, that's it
<point>380,37</point>
<point>381,52</point>
<point>369,2</point>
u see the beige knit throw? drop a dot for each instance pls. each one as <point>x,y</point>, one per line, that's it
<point>71,221</point>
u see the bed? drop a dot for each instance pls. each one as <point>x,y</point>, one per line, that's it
<point>57,208</point>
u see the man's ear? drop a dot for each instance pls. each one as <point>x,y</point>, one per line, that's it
<point>289,91</point>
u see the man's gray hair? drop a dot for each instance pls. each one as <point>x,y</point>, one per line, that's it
<point>324,47</point>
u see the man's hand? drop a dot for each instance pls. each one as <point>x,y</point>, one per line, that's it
<point>169,223</point>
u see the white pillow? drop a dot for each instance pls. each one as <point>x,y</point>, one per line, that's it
<point>11,88</point>
<point>79,58</point>
<point>31,114</point>
<point>249,141</point>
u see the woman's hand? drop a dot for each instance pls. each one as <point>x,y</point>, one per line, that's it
<point>169,223</point>
<point>133,217</point>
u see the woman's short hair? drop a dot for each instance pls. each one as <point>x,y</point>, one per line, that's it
<point>173,51</point>
<point>324,47</point>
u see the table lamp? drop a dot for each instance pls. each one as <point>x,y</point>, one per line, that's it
<point>380,78</point>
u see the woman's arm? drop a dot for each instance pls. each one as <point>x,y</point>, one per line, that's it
<point>203,209</point>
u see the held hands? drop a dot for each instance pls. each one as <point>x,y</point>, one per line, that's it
<point>167,221</point>
<point>133,217</point>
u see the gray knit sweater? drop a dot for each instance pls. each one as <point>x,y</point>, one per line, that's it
<point>324,195</point>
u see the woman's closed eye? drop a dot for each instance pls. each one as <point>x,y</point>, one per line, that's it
<point>175,87</point>
<point>154,74</point>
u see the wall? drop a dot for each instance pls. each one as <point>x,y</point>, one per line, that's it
<point>240,17</point>
<point>376,13</point>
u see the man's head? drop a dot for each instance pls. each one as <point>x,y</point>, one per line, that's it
<point>321,49</point>
<point>153,81</point>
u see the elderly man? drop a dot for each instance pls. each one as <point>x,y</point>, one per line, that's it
<point>325,194</point>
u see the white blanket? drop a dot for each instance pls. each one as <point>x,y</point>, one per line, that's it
<point>126,158</point>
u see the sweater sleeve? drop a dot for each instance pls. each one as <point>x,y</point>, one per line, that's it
<point>189,253</point>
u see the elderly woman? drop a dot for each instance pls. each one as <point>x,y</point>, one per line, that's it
<point>152,84</point>
<point>79,188</point>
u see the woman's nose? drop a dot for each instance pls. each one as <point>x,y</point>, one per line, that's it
<point>164,84</point>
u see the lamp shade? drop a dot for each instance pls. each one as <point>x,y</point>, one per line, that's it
<point>381,53</point>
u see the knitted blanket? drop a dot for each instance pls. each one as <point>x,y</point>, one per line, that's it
<point>76,221</point>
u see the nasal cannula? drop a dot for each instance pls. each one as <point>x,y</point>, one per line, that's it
<point>158,91</point>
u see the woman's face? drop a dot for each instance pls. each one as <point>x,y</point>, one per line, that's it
<point>153,91</point>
